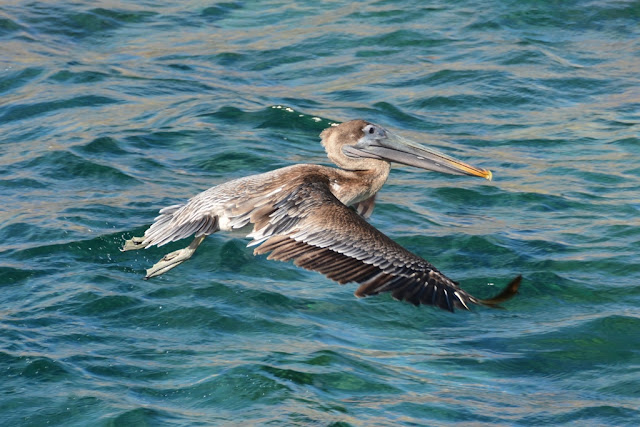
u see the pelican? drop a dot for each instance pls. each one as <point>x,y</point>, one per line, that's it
<point>316,216</point>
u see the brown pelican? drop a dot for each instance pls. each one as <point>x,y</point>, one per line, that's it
<point>315,215</point>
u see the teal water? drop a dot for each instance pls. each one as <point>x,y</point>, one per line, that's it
<point>110,111</point>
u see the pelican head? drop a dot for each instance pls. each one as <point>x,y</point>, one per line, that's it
<point>361,145</point>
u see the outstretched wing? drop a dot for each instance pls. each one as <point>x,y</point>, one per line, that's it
<point>317,232</point>
<point>211,210</point>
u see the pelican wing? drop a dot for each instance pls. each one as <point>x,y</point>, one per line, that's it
<point>365,207</point>
<point>180,221</point>
<point>214,209</point>
<point>317,232</point>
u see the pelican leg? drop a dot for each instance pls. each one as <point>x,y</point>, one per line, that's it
<point>174,259</point>
<point>133,244</point>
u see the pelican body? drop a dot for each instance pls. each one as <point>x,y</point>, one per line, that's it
<point>316,217</point>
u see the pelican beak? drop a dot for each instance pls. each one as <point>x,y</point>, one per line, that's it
<point>395,148</point>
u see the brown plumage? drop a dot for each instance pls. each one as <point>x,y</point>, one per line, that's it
<point>314,216</point>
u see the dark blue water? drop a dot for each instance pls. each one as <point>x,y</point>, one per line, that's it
<point>110,111</point>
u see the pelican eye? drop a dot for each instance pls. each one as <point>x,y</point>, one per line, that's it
<point>371,130</point>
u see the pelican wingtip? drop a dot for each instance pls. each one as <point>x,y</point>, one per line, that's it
<point>506,294</point>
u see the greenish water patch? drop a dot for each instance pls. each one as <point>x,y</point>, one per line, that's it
<point>109,114</point>
<point>21,112</point>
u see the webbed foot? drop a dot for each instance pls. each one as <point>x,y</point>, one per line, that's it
<point>133,244</point>
<point>174,259</point>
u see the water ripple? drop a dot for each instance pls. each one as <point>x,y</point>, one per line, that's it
<point>111,112</point>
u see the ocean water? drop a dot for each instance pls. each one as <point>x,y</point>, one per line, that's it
<point>111,110</point>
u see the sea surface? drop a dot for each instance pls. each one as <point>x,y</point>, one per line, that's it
<point>112,110</point>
